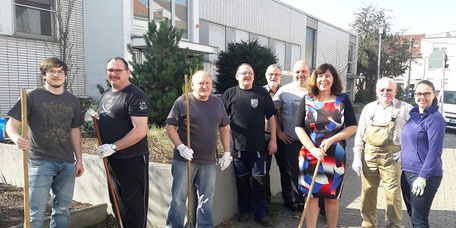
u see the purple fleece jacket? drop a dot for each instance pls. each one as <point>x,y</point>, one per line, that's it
<point>422,142</point>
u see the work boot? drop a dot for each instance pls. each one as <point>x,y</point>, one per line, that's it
<point>243,217</point>
<point>290,206</point>
<point>264,221</point>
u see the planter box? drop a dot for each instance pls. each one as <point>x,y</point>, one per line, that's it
<point>92,188</point>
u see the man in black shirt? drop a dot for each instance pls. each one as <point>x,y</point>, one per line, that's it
<point>123,112</point>
<point>247,106</point>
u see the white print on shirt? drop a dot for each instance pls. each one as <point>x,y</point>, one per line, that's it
<point>254,103</point>
<point>142,105</point>
<point>107,105</point>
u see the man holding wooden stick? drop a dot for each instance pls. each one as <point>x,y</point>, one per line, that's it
<point>123,112</point>
<point>207,116</point>
<point>54,117</point>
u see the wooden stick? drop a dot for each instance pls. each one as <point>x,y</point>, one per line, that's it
<point>25,158</point>
<point>309,194</point>
<point>108,175</point>
<point>189,209</point>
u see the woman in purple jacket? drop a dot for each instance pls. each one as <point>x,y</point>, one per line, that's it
<point>422,143</point>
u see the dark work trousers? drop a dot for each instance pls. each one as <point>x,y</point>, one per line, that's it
<point>130,178</point>
<point>292,152</point>
<point>285,172</point>
<point>251,182</point>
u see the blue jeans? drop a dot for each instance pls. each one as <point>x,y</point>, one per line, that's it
<point>252,182</point>
<point>418,207</point>
<point>59,178</point>
<point>203,177</point>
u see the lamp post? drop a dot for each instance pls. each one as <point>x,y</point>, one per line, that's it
<point>380,32</point>
<point>412,41</point>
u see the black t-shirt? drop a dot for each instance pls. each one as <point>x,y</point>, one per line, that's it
<point>247,110</point>
<point>50,119</point>
<point>206,117</point>
<point>115,110</point>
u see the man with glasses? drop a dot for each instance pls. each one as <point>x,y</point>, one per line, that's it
<point>286,101</point>
<point>54,117</point>
<point>273,76</point>
<point>248,105</point>
<point>377,153</point>
<point>123,111</point>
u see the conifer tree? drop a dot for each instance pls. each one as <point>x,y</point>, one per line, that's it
<point>161,74</point>
<point>251,52</point>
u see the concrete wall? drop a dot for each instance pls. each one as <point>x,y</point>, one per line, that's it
<point>92,187</point>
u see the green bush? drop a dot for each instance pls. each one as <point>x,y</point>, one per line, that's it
<point>161,74</point>
<point>251,52</point>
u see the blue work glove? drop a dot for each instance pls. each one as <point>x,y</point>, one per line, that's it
<point>418,186</point>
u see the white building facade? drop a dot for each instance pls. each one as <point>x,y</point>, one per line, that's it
<point>28,35</point>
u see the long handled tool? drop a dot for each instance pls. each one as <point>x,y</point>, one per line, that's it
<point>108,176</point>
<point>189,209</point>
<point>309,194</point>
<point>25,158</point>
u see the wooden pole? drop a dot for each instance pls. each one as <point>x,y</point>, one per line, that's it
<point>25,158</point>
<point>108,176</point>
<point>189,209</point>
<point>309,194</point>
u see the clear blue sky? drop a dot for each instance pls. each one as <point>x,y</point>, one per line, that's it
<point>417,16</point>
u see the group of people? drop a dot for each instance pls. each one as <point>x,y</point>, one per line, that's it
<point>300,123</point>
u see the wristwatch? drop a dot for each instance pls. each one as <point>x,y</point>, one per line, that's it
<point>114,147</point>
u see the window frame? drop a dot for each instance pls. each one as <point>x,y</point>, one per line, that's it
<point>52,12</point>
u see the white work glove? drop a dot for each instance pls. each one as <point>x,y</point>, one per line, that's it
<point>90,114</point>
<point>225,160</point>
<point>397,156</point>
<point>418,186</point>
<point>185,152</point>
<point>357,166</point>
<point>105,150</point>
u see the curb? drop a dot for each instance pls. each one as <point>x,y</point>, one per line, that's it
<point>83,217</point>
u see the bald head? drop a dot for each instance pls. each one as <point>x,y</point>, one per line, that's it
<point>301,73</point>
<point>201,85</point>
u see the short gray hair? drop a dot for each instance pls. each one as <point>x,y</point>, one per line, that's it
<point>384,80</point>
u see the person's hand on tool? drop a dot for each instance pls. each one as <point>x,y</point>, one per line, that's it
<point>23,144</point>
<point>185,152</point>
<point>418,186</point>
<point>79,169</point>
<point>225,160</point>
<point>106,150</point>
<point>318,153</point>
<point>90,114</point>
<point>326,143</point>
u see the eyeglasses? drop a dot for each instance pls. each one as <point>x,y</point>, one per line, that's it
<point>425,94</point>
<point>386,90</point>
<point>272,74</point>
<point>245,73</point>
<point>54,72</point>
<point>117,71</point>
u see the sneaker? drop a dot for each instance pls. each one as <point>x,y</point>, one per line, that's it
<point>265,221</point>
<point>243,217</point>
<point>290,206</point>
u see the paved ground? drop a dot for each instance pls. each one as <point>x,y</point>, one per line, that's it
<point>443,211</point>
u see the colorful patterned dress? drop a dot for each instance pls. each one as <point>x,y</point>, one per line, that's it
<point>323,120</point>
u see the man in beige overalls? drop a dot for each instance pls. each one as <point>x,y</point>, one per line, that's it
<point>377,153</point>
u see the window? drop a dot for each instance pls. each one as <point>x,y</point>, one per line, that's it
<point>175,11</point>
<point>141,14</point>
<point>311,34</point>
<point>35,18</point>
<point>351,59</point>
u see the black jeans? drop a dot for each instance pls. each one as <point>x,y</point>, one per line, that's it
<point>130,178</point>
<point>418,207</point>
<point>292,153</point>
<point>285,172</point>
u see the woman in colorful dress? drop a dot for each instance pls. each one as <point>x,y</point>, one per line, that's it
<point>422,145</point>
<point>325,119</point>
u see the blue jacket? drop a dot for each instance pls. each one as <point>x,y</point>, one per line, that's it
<point>422,142</point>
